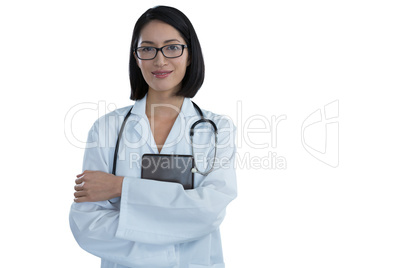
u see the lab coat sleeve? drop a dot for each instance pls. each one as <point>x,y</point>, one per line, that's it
<point>94,224</point>
<point>164,213</point>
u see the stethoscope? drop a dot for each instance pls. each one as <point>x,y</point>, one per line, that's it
<point>192,128</point>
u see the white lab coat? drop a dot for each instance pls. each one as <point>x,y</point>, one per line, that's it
<point>157,224</point>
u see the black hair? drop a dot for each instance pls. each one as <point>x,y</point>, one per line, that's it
<point>195,72</point>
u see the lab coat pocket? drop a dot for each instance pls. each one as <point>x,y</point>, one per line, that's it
<point>216,265</point>
<point>114,202</point>
<point>147,255</point>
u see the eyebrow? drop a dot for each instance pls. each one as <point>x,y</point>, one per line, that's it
<point>167,41</point>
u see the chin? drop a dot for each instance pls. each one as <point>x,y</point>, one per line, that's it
<point>164,89</point>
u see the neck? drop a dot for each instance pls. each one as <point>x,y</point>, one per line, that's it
<point>163,104</point>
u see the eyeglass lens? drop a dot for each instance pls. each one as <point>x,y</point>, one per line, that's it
<point>169,51</point>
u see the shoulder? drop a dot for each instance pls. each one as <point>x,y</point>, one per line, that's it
<point>118,113</point>
<point>226,130</point>
<point>114,116</point>
<point>111,121</point>
<point>105,129</point>
<point>220,120</point>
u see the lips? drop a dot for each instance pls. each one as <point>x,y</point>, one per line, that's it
<point>161,74</point>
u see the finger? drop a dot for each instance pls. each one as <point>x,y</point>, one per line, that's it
<point>83,173</point>
<point>80,199</point>
<point>80,179</point>
<point>80,194</point>
<point>79,187</point>
<point>87,172</point>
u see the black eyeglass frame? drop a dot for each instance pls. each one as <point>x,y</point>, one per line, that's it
<point>161,50</point>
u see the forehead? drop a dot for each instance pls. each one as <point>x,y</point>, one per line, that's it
<point>159,32</point>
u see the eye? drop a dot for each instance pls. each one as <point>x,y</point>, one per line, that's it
<point>146,49</point>
<point>173,47</point>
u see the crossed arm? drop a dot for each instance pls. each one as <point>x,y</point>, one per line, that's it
<point>93,186</point>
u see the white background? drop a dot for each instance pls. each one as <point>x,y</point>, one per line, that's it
<point>274,58</point>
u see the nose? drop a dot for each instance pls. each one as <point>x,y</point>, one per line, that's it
<point>160,60</point>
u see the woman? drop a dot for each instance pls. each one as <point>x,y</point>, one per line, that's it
<point>132,222</point>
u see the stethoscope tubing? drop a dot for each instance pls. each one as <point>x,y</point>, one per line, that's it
<point>192,128</point>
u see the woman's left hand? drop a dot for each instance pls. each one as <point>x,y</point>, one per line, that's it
<point>92,186</point>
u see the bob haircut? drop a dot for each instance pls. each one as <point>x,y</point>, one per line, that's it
<point>195,72</point>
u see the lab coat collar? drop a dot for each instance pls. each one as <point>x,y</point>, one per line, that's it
<point>187,108</point>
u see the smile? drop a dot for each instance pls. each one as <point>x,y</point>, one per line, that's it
<point>161,74</point>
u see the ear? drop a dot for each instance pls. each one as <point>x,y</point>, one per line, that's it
<point>136,60</point>
<point>188,61</point>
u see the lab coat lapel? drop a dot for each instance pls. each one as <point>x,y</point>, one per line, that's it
<point>141,125</point>
<point>176,135</point>
<point>177,140</point>
<point>143,130</point>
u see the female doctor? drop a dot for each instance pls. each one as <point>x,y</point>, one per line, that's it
<point>132,222</point>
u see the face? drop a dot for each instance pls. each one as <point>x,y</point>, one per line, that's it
<point>162,74</point>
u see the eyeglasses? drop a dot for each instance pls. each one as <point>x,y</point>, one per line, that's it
<point>169,51</point>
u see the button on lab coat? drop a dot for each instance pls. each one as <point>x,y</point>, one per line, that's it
<point>157,224</point>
